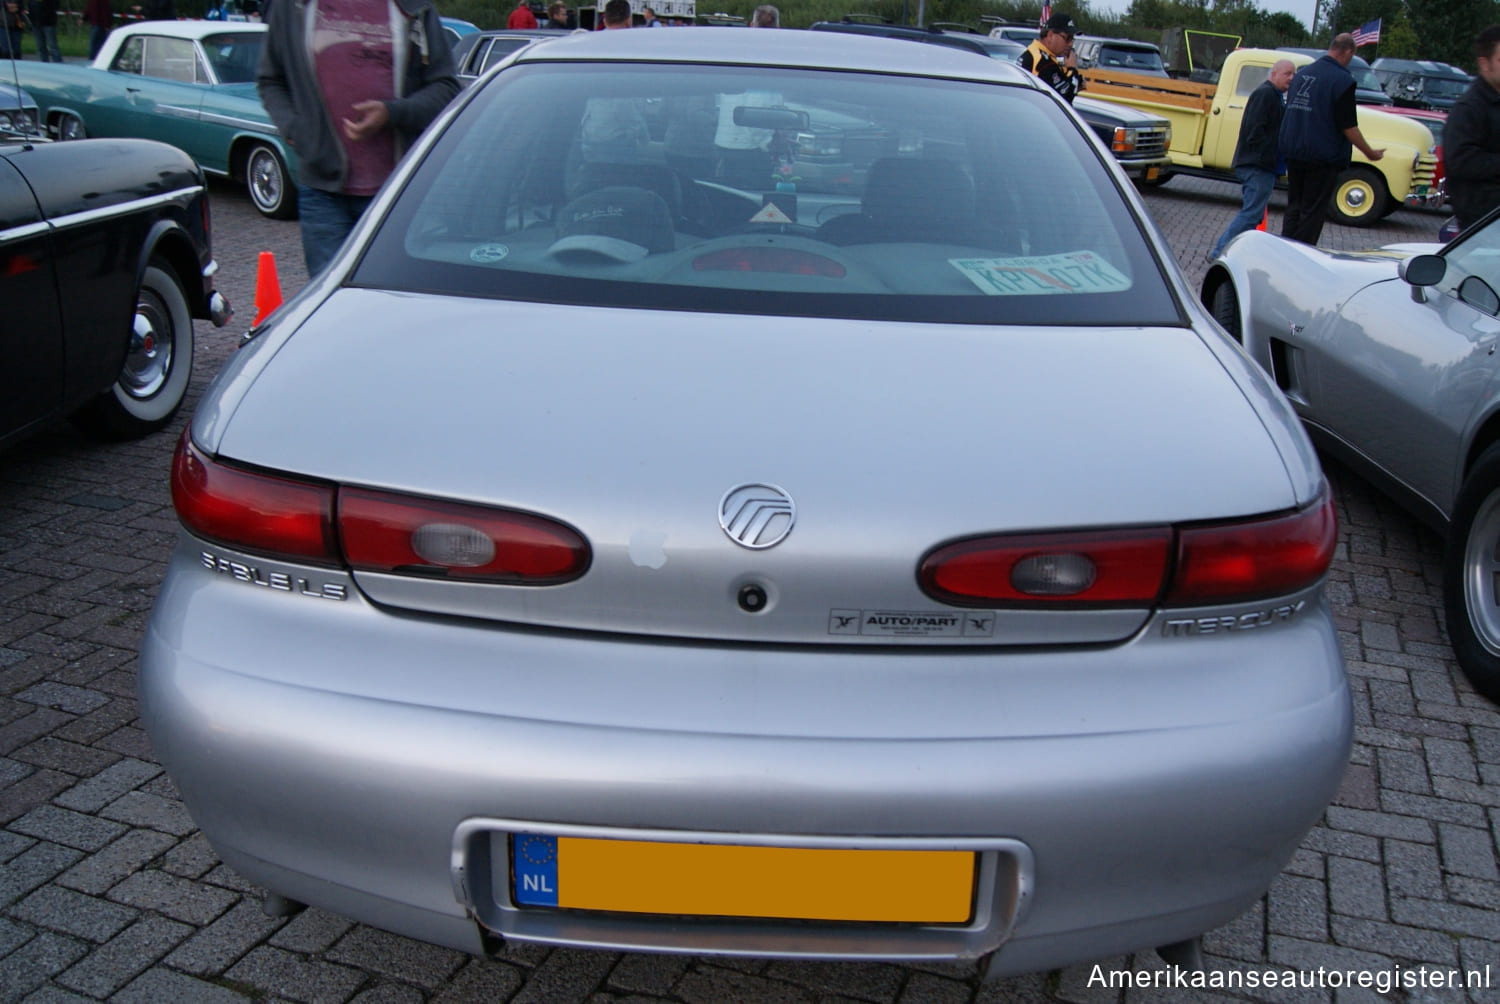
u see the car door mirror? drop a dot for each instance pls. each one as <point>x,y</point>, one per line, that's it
<point>1422,271</point>
<point>1478,294</point>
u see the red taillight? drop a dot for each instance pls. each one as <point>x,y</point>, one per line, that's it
<point>405,534</point>
<point>251,511</point>
<point>1186,566</point>
<point>1085,568</point>
<point>789,261</point>
<point>1256,559</point>
<point>379,531</point>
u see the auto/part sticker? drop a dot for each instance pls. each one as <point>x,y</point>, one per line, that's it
<point>913,623</point>
<point>1073,272</point>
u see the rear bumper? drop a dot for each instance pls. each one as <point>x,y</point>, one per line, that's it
<point>1118,797</point>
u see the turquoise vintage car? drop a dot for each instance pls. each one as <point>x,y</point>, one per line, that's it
<point>188,83</point>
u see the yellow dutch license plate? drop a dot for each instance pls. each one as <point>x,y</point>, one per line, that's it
<point>731,880</point>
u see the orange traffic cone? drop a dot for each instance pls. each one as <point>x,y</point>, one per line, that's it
<point>267,287</point>
<point>1265,217</point>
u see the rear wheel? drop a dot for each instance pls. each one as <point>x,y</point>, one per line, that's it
<point>1471,576</point>
<point>158,363</point>
<point>1359,198</point>
<point>269,185</point>
<point>70,127</point>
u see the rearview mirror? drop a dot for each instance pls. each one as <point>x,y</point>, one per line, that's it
<point>770,118</point>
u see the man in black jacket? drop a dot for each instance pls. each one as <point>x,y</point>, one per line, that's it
<point>1256,163</point>
<point>1318,130</point>
<point>1471,139</point>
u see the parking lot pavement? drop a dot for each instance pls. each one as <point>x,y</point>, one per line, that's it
<point>108,892</point>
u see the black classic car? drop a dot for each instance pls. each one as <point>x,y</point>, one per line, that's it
<point>1421,83</point>
<point>478,51</point>
<point>104,263</point>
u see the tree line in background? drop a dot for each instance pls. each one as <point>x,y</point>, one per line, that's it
<point>1443,30</point>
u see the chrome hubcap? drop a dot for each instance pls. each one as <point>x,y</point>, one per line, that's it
<point>150,357</point>
<point>1356,197</point>
<point>265,181</point>
<point>1482,574</point>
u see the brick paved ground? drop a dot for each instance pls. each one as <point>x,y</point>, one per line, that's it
<point>107,891</point>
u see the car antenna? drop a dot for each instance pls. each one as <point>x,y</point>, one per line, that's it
<point>15,76</point>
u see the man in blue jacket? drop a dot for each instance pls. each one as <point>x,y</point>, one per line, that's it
<point>349,84</point>
<point>1318,129</point>
<point>1256,162</point>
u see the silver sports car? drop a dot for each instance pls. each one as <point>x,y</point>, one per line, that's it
<point>631,542</point>
<point>1389,358</point>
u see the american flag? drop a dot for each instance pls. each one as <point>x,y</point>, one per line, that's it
<point>1046,12</point>
<point>1367,33</point>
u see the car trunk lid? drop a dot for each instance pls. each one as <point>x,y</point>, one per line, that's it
<point>633,427</point>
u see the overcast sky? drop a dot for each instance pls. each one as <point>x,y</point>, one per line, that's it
<point>1302,10</point>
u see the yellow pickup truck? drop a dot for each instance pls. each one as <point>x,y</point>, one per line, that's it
<point>1206,126</point>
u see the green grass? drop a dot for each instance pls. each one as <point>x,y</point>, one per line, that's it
<point>72,41</point>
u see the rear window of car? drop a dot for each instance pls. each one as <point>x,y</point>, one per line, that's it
<point>1447,87</point>
<point>233,55</point>
<point>772,191</point>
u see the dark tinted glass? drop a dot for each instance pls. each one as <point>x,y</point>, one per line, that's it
<point>753,190</point>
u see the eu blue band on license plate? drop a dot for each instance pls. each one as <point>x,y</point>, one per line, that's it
<point>734,880</point>
<point>535,868</point>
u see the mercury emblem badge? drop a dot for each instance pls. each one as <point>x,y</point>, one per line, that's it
<point>757,515</point>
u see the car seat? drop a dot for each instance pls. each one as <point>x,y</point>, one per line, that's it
<point>910,199</point>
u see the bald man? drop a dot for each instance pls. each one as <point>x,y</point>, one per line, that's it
<point>1256,163</point>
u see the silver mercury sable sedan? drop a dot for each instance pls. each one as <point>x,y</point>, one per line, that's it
<point>758,493</point>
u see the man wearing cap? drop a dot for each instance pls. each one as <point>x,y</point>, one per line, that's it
<point>1051,57</point>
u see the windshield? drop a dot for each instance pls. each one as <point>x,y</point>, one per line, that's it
<point>1445,87</point>
<point>1475,256</point>
<point>233,55</point>
<point>1131,60</point>
<point>1364,78</point>
<point>736,189</point>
